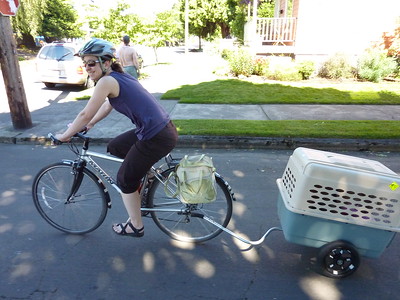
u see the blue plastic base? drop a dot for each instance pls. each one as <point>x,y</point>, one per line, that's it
<point>316,232</point>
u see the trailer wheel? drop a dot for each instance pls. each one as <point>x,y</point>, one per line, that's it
<point>338,259</point>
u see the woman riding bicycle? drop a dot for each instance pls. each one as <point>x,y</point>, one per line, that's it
<point>154,136</point>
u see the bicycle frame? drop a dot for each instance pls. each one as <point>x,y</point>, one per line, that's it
<point>86,155</point>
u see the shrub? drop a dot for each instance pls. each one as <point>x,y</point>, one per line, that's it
<point>284,72</point>
<point>397,71</point>
<point>390,43</point>
<point>306,68</point>
<point>336,67</point>
<point>374,65</point>
<point>241,62</point>
<point>260,66</point>
<point>226,53</point>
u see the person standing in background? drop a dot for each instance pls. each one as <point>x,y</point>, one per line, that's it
<point>128,58</point>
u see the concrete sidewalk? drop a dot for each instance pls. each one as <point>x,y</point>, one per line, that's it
<point>283,112</point>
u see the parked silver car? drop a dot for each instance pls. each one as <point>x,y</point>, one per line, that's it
<point>56,63</point>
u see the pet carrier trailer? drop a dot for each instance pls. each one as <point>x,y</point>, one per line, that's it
<point>344,205</point>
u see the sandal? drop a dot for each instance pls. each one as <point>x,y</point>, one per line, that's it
<point>135,233</point>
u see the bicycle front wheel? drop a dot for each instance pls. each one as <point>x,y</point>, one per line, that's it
<point>178,219</point>
<point>83,212</point>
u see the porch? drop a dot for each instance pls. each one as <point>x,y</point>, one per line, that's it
<point>271,36</point>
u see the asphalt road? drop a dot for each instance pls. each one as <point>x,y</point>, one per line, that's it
<point>38,262</point>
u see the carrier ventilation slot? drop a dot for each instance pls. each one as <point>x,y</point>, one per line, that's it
<point>351,204</point>
<point>289,182</point>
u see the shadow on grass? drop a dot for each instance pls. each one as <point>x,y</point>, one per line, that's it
<point>235,91</point>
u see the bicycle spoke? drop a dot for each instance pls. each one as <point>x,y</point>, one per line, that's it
<point>181,225</point>
<point>82,212</point>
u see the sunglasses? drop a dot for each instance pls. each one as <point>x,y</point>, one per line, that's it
<point>90,63</point>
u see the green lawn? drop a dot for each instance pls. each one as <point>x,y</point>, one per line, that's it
<point>234,91</point>
<point>291,128</point>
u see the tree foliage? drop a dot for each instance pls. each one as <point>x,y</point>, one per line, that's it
<point>60,21</point>
<point>157,32</point>
<point>207,18</point>
<point>266,9</point>
<point>164,30</point>
<point>118,23</point>
<point>28,21</point>
<point>53,19</point>
<point>238,18</point>
<point>168,26</point>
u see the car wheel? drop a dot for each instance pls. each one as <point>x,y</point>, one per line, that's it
<point>49,84</point>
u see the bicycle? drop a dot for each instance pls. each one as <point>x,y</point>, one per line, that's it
<point>71,195</point>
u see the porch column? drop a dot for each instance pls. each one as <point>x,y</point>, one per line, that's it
<point>255,3</point>
<point>280,8</point>
<point>250,29</point>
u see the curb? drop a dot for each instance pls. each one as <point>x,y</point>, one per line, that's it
<point>234,142</point>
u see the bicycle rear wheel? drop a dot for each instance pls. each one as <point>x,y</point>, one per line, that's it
<point>178,220</point>
<point>83,212</point>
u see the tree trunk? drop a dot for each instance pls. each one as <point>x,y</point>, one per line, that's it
<point>155,54</point>
<point>225,30</point>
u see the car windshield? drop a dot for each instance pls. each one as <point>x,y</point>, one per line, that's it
<point>59,53</point>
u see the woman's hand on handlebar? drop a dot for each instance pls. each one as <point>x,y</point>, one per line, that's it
<point>59,138</point>
<point>54,139</point>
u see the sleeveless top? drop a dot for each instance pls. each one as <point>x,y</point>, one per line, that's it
<point>135,102</point>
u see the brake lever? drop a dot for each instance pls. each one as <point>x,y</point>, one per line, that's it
<point>53,139</point>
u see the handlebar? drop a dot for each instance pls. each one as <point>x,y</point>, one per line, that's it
<point>80,135</point>
<point>53,139</point>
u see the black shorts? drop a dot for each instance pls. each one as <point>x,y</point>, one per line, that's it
<point>139,156</point>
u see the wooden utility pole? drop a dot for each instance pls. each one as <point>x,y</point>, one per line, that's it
<point>20,115</point>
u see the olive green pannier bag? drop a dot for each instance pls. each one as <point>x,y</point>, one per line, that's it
<point>195,180</point>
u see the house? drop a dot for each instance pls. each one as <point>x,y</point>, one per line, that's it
<point>316,29</point>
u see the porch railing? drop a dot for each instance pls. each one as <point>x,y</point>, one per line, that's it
<point>276,30</point>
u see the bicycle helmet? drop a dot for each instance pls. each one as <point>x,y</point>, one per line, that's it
<point>98,47</point>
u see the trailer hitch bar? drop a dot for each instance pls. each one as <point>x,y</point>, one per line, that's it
<point>253,243</point>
